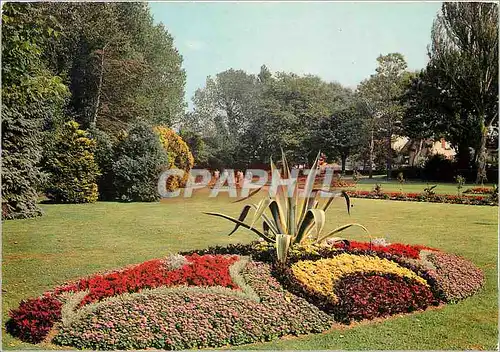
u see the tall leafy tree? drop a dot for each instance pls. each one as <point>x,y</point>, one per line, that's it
<point>435,112</point>
<point>464,53</point>
<point>118,64</point>
<point>223,111</point>
<point>342,134</point>
<point>293,108</point>
<point>31,97</point>
<point>382,91</point>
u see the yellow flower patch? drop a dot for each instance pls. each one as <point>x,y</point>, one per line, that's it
<point>321,275</point>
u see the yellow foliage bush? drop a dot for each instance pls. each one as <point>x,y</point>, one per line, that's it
<point>179,155</point>
<point>321,275</point>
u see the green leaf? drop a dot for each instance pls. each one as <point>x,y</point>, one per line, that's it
<point>242,217</point>
<point>340,229</point>
<point>236,221</point>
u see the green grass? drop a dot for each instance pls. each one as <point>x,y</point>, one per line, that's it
<point>75,240</point>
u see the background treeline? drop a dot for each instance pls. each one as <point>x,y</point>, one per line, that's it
<point>83,87</point>
<point>242,119</point>
<point>90,92</point>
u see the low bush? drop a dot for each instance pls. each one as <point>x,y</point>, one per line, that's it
<point>456,277</point>
<point>180,156</point>
<point>72,168</point>
<point>140,158</point>
<point>438,168</point>
<point>371,295</point>
<point>34,318</point>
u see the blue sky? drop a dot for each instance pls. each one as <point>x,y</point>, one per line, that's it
<point>338,41</point>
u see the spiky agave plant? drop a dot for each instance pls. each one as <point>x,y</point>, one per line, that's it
<point>287,219</point>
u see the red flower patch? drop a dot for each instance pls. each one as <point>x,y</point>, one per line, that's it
<point>367,296</point>
<point>400,249</point>
<point>204,270</point>
<point>34,318</point>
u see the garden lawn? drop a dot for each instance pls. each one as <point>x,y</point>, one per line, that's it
<point>71,241</point>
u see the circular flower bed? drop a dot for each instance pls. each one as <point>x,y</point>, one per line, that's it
<point>235,295</point>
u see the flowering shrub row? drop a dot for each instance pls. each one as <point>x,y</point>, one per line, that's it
<point>320,276</point>
<point>420,197</point>
<point>371,295</point>
<point>404,250</point>
<point>479,190</point>
<point>34,318</point>
<point>185,318</point>
<point>456,277</point>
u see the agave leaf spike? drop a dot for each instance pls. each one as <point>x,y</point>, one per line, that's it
<point>255,191</point>
<point>242,224</point>
<point>291,225</point>
<point>275,212</point>
<point>241,218</point>
<point>332,196</point>
<point>313,218</point>
<point>311,177</point>
<point>260,209</point>
<point>281,203</point>
<point>282,245</point>
<point>340,229</point>
<point>347,202</point>
<point>269,222</point>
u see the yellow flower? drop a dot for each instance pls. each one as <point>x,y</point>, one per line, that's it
<point>321,275</point>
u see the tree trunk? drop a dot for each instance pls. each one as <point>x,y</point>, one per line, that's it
<point>344,158</point>
<point>372,147</point>
<point>481,164</point>
<point>417,153</point>
<point>389,156</point>
<point>93,121</point>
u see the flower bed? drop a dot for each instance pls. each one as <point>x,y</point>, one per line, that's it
<point>321,275</point>
<point>479,190</point>
<point>421,197</point>
<point>371,295</point>
<point>195,318</point>
<point>234,295</point>
<point>33,319</point>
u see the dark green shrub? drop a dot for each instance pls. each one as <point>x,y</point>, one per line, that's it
<point>104,156</point>
<point>72,167</point>
<point>140,158</point>
<point>31,96</point>
<point>438,168</point>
